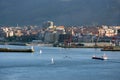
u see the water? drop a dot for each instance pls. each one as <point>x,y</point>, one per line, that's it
<point>69,64</point>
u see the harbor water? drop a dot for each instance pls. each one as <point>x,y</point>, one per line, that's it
<point>53,63</point>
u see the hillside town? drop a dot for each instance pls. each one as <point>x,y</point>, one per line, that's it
<point>59,35</point>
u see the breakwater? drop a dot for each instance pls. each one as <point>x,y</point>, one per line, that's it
<point>15,50</point>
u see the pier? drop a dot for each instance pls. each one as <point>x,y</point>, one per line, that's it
<point>15,50</point>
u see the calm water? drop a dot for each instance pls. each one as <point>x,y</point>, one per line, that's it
<point>70,64</point>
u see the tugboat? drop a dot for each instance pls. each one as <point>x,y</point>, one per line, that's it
<point>104,57</point>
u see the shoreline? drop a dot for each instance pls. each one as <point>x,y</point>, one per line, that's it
<point>102,46</point>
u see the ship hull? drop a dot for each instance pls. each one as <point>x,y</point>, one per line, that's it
<point>99,58</point>
<point>15,50</point>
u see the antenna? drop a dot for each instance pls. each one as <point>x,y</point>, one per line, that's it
<point>17,25</point>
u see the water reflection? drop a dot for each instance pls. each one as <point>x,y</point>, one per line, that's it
<point>70,64</point>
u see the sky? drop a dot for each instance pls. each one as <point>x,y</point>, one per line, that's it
<point>61,12</point>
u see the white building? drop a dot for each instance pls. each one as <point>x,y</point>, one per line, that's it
<point>49,25</point>
<point>48,36</point>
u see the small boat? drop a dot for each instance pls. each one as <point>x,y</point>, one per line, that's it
<point>104,57</point>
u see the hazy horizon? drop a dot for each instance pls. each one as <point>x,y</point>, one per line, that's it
<point>61,12</point>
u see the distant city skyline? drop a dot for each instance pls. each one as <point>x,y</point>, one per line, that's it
<point>61,12</point>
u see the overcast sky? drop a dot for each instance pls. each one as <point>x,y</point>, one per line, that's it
<point>62,12</point>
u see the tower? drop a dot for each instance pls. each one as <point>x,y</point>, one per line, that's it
<point>48,24</point>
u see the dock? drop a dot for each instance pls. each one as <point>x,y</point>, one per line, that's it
<point>111,48</point>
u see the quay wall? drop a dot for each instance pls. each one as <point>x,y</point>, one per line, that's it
<point>98,44</point>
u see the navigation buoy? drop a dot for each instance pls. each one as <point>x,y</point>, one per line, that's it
<point>52,61</point>
<point>40,51</point>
